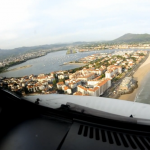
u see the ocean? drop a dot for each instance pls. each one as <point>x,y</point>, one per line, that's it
<point>143,93</point>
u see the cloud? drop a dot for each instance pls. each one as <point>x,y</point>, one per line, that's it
<point>14,13</point>
<point>8,36</point>
<point>30,22</point>
<point>29,25</point>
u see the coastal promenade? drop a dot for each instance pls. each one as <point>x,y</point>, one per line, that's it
<point>139,75</point>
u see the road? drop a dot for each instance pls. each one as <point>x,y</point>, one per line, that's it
<point>115,85</point>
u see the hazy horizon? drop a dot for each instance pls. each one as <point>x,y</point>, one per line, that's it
<point>31,23</point>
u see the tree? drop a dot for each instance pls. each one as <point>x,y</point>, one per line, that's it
<point>133,58</point>
<point>61,80</point>
<point>102,76</point>
<point>113,62</point>
<point>66,72</point>
<point>141,54</point>
<point>124,59</point>
<point>54,83</point>
<point>66,78</point>
<point>71,71</point>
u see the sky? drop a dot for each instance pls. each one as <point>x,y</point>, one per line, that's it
<point>38,22</point>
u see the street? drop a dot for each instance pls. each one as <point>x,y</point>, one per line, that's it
<point>115,86</point>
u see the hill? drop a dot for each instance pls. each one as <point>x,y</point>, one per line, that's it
<point>133,38</point>
<point>21,50</point>
<point>5,53</point>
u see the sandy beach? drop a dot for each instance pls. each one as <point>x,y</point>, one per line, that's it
<point>70,63</point>
<point>139,75</point>
<point>77,63</point>
<point>23,67</point>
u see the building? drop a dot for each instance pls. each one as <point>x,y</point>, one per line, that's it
<point>127,83</point>
<point>82,89</point>
<point>97,90</point>
<point>72,83</point>
<point>60,85</point>
<point>112,71</point>
<point>92,82</point>
<point>103,85</point>
<point>63,76</point>
<point>86,77</point>
<point>77,93</point>
<point>67,89</point>
<point>93,91</point>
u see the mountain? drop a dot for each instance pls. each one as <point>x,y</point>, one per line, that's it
<point>127,38</point>
<point>5,53</point>
<point>133,38</point>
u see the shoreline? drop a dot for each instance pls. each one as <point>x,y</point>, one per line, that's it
<point>8,66</point>
<point>19,68</point>
<point>69,63</point>
<point>139,75</point>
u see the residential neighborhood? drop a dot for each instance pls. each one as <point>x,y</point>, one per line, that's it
<point>84,48</point>
<point>93,79</point>
<point>23,57</point>
<point>92,47</point>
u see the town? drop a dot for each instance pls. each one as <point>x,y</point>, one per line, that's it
<point>96,78</point>
<point>91,47</point>
<point>13,60</point>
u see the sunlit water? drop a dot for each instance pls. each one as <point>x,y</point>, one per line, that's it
<point>48,63</point>
<point>53,62</point>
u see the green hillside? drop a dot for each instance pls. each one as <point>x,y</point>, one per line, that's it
<point>133,38</point>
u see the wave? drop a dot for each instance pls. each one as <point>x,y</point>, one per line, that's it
<point>143,94</point>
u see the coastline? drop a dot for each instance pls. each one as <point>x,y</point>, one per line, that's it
<point>8,66</point>
<point>139,75</point>
<point>69,63</point>
<point>15,69</point>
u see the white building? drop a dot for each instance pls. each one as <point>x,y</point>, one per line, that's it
<point>86,77</point>
<point>63,76</point>
<point>92,82</point>
<point>60,85</point>
<point>50,79</point>
<point>82,89</point>
<point>98,89</point>
<point>94,91</point>
<point>112,71</point>
<point>67,89</point>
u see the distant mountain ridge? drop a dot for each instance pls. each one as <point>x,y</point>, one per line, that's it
<point>131,38</point>
<point>5,53</point>
<point>22,50</point>
<point>127,38</point>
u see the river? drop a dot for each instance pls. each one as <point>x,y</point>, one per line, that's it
<point>51,62</point>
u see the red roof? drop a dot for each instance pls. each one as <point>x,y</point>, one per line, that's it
<point>60,83</point>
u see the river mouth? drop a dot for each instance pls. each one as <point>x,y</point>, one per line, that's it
<point>48,63</point>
